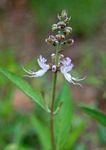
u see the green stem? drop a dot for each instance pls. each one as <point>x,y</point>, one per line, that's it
<point>52,103</point>
<point>57,53</point>
<point>52,115</point>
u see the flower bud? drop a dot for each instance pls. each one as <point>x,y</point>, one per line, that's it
<point>67,30</point>
<point>51,40</point>
<point>55,43</point>
<point>67,20</point>
<point>69,41</point>
<point>48,41</point>
<point>53,57</point>
<point>54,68</point>
<point>60,37</point>
<point>54,27</point>
<point>61,24</point>
<point>64,14</point>
<point>61,56</point>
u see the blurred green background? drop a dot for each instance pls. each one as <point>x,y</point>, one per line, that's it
<point>24,25</point>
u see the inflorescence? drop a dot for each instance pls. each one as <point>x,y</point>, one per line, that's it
<point>58,61</point>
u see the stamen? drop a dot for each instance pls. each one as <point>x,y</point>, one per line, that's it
<point>28,71</point>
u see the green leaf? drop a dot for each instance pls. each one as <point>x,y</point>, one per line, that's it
<point>80,146</point>
<point>42,131</point>
<point>17,134</point>
<point>24,86</point>
<point>101,130</point>
<point>97,115</point>
<point>64,117</point>
<point>74,135</point>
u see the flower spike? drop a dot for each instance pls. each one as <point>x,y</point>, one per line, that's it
<point>60,38</point>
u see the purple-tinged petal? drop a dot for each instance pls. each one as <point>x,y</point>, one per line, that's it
<point>42,63</point>
<point>66,61</point>
<point>66,65</point>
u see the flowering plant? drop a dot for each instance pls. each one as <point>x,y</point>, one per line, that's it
<point>59,109</point>
<point>58,63</point>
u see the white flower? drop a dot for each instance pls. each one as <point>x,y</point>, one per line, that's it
<point>66,66</point>
<point>44,68</point>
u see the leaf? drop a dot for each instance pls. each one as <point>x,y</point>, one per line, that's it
<point>24,86</point>
<point>74,135</point>
<point>97,115</point>
<point>64,117</point>
<point>80,146</point>
<point>17,134</point>
<point>101,130</point>
<point>42,132</point>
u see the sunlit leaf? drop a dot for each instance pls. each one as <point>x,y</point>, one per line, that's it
<point>64,117</point>
<point>97,115</point>
<point>24,86</point>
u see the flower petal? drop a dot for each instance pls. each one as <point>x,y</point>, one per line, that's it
<point>39,73</point>
<point>66,65</point>
<point>66,68</point>
<point>42,63</point>
<point>66,61</point>
<point>69,78</point>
